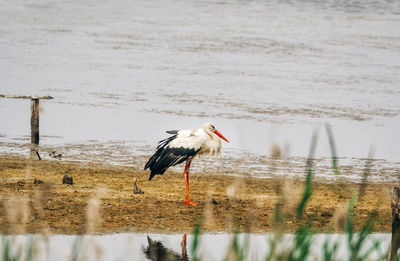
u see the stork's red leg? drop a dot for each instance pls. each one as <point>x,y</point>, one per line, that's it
<point>186,173</point>
<point>186,168</point>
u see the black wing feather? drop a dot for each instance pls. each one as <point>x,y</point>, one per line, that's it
<point>166,157</point>
<point>160,148</point>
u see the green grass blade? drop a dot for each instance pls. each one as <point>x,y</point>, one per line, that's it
<point>195,242</point>
<point>329,250</point>
<point>366,171</point>
<point>308,188</point>
<point>30,248</point>
<point>333,149</point>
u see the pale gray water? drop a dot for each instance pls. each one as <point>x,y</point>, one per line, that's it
<point>131,246</point>
<point>263,72</point>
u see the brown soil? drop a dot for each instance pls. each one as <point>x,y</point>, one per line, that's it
<point>101,200</point>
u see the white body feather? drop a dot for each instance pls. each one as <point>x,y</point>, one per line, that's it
<point>203,139</point>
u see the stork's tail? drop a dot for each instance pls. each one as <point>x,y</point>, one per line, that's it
<point>153,159</point>
<point>151,163</point>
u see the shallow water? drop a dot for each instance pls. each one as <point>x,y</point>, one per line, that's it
<point>131,246</point>
<point>264,73</point>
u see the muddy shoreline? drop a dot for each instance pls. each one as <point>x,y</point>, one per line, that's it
<point>101,200</point>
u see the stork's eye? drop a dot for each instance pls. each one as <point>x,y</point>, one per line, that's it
<point>213,126</point>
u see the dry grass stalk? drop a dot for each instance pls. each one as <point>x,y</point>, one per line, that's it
<point>93,218</point>
<point>291,193</point>
<point>39,201</point>
<point>340,218</point>
<point>18,214</point>
<point>209,220</point>
<point>238,187</point>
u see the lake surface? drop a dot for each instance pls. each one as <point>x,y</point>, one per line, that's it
<point>264,72</point>
<point>131,246</point>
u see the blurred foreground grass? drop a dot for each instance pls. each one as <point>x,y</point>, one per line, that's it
<point>302,243</point>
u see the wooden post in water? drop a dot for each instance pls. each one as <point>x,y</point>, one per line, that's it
<point>34,119</point>
<point>395,223</point>
<point>34,125</point>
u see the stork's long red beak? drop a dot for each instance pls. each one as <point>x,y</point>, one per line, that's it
<point>221,136</point>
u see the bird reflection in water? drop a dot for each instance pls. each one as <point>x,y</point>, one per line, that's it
<point>157,251</point>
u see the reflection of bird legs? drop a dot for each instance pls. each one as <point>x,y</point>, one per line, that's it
<point>186,174</point>
<point>183,245</point>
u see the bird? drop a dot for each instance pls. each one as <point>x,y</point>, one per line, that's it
<point>54,155</point>
<point>185,145</point>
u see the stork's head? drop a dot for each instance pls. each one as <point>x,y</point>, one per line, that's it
<point>208,126</point>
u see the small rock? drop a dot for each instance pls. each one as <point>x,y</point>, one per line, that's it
<point>67,180</point>
<point>326,214</point>
<point>136,189</point>
<point>213,201</point>
<point>37,181</point>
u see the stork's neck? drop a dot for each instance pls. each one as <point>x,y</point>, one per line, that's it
<point>212,135</point>
<point>212,146</point>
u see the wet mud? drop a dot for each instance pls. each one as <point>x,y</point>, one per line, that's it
<point>102,200</point>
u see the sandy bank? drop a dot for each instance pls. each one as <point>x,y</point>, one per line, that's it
<point>101,200</point>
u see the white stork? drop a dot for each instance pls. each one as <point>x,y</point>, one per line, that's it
<point>185,145</point>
